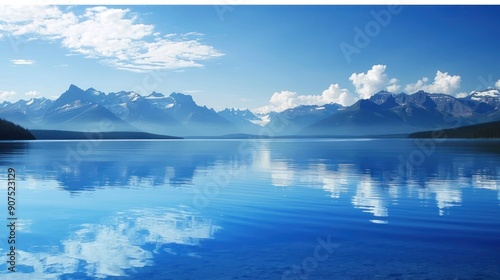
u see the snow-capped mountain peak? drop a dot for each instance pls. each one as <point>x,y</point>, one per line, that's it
<point>95,92</point>
<point>239,113</point>
<point>481,95</point>
<point>134,96</point>
<point>490,96</point>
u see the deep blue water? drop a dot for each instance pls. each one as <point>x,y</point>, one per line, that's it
<point>254,209</point>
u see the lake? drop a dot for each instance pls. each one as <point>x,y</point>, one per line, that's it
<point>253,209</point>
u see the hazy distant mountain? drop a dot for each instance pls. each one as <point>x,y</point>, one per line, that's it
<point>141,113</point>
<point>78,109</point>
<point>291,121</point>
<point>362,118</point>
<point>245,120</point>
<point>197,119</point>
<point>27,113</point>
<point>92,110</point>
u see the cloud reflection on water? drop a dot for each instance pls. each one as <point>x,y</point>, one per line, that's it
<point>117,243</point>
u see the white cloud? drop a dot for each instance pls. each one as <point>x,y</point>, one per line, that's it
<point>32,93</point>
<point>410,88</point>
<point>393,86</point>
<point>281,101</point>
<point>193,91</point>
<point>6,95</point>
<point>109,34</point>
<point>373,81</point>
<point>497,85</point>
<point>461,94</point>
<point>443,83</point>
<point>23,61</point>
<point>334,94</point>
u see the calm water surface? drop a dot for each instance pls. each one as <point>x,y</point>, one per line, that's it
<point>254,209</point>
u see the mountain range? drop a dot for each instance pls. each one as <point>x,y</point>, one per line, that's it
<point>389,113</point>
<point>177,114</point>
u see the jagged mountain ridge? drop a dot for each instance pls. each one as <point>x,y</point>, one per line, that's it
<point>245,120</point>
<point>77,108</point>
<point>92,110</point>
<point>291,121</point>
<point>178,114</point>
<point>389,113</point>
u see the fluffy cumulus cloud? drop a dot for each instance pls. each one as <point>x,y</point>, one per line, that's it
<point>284,100</point>
<point>443,83</point>
<point>366,84</point>
<point>497,85</point>
<point>111,35</point>
<point>373,81</point>
<point>335,94</point>
<point>393,86</point>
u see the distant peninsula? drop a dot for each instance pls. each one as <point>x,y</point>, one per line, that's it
<point>76,135</point>
<point>12,131</point>
<point>483,130</point>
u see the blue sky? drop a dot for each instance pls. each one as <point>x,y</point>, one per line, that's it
<point>264,57</point>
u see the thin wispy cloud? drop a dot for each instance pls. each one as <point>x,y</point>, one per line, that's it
<point>22,61</point>
<point>113,36</point>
